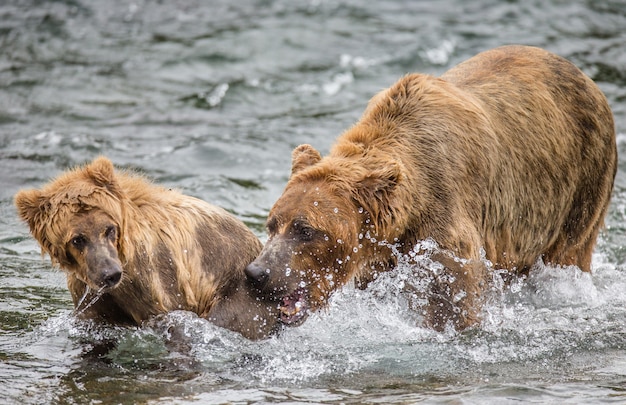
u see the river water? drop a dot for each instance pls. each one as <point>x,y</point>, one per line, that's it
<point>210,98</point>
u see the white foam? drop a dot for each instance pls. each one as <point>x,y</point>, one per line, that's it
<point>550,315</point>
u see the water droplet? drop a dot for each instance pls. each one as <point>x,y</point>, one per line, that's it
<point>315,203</point>
<point>459,296</point>
<point>336,210</point>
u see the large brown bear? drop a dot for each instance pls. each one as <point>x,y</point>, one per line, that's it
<point>132,250</point>
<point>509,156</point>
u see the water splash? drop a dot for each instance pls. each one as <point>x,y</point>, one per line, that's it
<point>544,322</point>
<point>441,54</point>
<point>337,82</point>
<point>68,322</point>
<point>78,310</point>
<point>215,97</point>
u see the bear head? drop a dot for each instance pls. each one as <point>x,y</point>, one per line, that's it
<point>78,221</point>
<point>322,231</point>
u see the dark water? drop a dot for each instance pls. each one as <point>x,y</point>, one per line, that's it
<point>210,98</point>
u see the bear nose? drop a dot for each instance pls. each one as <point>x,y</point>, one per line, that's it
<point>111,277</point>
<point>256,274</point>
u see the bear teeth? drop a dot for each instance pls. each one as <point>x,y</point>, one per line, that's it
<point>293,309</point>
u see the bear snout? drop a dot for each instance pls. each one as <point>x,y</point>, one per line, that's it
<point>104,269</point>
<point>110,276</point>
<point>258,275</point>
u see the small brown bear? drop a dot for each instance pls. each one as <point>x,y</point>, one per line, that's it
<point>132,250</point>
<point>509,156</point>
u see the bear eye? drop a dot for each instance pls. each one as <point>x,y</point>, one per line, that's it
<point>303,231</point>
<point>111,232</point>
<point>79,242</point>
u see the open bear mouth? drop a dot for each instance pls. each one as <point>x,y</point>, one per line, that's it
<point>294,308</point>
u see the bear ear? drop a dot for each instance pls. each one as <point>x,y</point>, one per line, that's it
<point>30,205</point>
<point>101,172</point>
<point>303,156</point>
<point>34,208</point>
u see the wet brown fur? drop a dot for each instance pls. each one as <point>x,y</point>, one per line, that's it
<point>512,151</point>
<point>177,252</point>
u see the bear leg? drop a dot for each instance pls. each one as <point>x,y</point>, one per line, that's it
<point>456,293</point>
